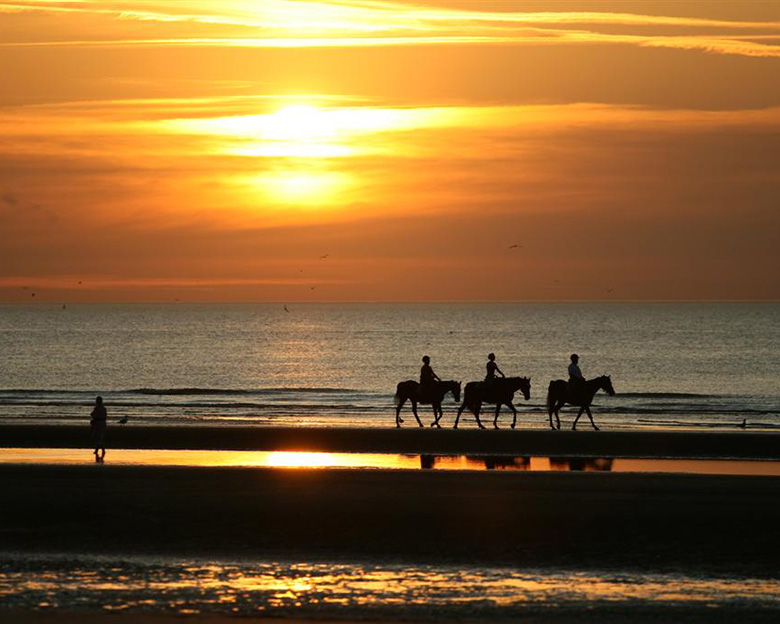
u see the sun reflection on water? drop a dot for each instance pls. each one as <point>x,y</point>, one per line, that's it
<point>389,461</point>
<point>363,590</point>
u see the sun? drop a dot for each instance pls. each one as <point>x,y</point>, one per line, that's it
<point>299,122</point>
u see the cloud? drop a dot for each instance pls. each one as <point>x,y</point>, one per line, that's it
<point>9,199</point>
<point>288,24</point>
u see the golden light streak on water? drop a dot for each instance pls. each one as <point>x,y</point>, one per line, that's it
<point>305,459</point>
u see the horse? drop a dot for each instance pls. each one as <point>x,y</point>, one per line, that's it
<point>410,391</point>
<point>499,391</point>
<point>558,395</point>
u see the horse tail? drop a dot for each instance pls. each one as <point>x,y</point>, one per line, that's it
<point>550,399</point>
<point>404,391</point>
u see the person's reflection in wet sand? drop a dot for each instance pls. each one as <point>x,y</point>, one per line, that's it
<point>427,461</point>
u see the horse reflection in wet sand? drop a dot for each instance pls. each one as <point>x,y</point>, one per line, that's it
<point>560,393</point>
<point>499,391</point>
<point>410,391</point>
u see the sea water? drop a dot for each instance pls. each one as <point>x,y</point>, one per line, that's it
<point>691,365</point>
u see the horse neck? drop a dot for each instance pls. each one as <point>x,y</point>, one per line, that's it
<point>595,384</point>
<point>516,383</point>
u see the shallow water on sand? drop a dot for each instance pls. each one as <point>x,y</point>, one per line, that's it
<point>389,461</point>
<point>357,590</point>
<point>673,365</point>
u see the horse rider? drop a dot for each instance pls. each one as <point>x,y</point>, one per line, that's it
<point>576,378</point>
<point>427,377</point>
<point>492,370</point>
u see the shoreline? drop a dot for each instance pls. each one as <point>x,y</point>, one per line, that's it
<point>418,441</point>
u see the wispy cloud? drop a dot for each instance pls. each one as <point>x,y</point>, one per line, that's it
<point>291,23</point>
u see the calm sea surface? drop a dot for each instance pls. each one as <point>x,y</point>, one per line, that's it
<point>672,365</point>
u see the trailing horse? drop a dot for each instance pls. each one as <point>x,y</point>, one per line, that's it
<point>499,391</point>
<point>410,391</point>
<point>561,392</point>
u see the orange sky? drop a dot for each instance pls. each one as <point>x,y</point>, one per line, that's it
<point>258,150</point>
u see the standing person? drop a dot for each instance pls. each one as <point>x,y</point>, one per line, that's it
<point>492,368</point>
<point>427,377</point>
<point>97,434</point>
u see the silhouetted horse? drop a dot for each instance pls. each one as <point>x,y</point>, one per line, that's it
<point>410,391</point>
<point>558,395</point>
<point>499,391</point>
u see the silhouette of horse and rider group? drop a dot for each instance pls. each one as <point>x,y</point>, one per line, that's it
<point>498,390</point>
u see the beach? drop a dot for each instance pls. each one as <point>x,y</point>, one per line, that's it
<point>414,440</point>
<point>720,523</point>
<point>210,542</point>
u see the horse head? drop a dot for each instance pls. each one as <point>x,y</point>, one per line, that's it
<point>455,389</point>
<point>606,385</point>
<point>523,384</point>
<point>525,387</point>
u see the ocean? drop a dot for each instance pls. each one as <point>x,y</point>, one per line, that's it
<point>673,365</point>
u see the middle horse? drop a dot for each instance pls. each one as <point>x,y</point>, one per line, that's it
<point>499,391</point>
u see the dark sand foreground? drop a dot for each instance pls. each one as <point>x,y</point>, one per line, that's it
<point>690,523</point>
<point>412,440</point>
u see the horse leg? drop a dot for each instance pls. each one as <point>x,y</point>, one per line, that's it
<point>437,414</point>
<point>460,411</point>
<point>398,419</point>
<point>495,420</point>
<point>587,410</point>
<point>574,426</point>
<point>477,409</point>
<point>414,409</point>
<point>558,407</point>
<point>514,411</point>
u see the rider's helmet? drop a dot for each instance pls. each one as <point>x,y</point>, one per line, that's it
<point>574,357</point>
<point>426,359</point>
<point>491,356</point>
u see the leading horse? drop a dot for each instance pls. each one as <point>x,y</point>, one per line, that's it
<point>499,391</point>
<point>410,391</point>
<point>560,392</point>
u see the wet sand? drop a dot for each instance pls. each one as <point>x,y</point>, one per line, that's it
<point>412,440</point>
<point>616,614</point>
<point>691,523</point>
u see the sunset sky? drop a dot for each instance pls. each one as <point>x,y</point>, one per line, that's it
<point>273,150</point>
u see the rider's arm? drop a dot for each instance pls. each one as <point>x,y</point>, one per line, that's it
<point>498,370</point>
